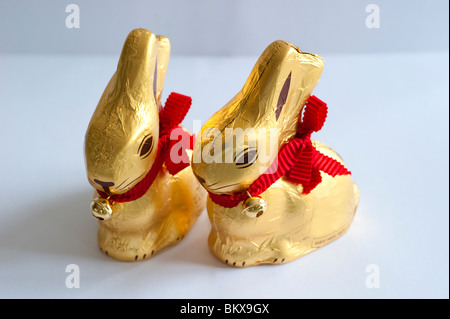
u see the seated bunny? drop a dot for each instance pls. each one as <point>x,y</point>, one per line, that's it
<point>274,194</point>
<point>146,195</point>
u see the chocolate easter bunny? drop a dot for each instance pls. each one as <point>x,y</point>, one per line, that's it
<point>274,194</point>
<point>146,194</point>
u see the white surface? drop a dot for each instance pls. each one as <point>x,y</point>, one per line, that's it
<point>388,118</point>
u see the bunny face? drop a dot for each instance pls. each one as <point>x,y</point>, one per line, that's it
<point>262,117</point>
<point>122,137</point>
<point>231,159</point>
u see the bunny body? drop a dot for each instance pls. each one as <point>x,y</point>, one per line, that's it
<point>162,217</point>
<point>121,147</point>
<point>293,225</point>
<point>295,222</point>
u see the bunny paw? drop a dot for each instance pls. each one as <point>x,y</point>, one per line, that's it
<point>144,256</point>
<point>278,260</point>
<point>235,263</point>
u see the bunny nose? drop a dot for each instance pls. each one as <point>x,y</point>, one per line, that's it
<point>105,185</point>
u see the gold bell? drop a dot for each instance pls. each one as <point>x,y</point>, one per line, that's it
<point>254,206</point>
<point>101,208</point>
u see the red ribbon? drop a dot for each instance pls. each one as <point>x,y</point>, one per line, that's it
<point>298,161</point>
<point>173,113</point>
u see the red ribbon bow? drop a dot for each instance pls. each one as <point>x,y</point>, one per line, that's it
<point>173,113</point>
<point>298,161</point>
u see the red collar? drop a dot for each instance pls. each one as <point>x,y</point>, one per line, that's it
<point>170,117</point>
<point>298,161</point>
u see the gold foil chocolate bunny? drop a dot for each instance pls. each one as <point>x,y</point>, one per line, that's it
<point>274,194</point>
<point>137,156</point>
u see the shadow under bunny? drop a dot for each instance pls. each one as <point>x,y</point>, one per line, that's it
<point>55,226</point>
<point>63,226</point>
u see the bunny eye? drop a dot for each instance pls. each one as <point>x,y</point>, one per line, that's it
<point>246,158</point>
<point>146,146</point>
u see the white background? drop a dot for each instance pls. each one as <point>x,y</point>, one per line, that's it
<point>387,92</point>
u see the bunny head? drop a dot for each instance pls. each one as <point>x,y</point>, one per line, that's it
<point>122,137</point>
<point>240,141</point>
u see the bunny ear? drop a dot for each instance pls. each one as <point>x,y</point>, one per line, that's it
<point>283,96</point>
<point>136,60</point>
<point>278,86</point>
<point>143,64</point>
<point>161,63</point>
<point>134,90</point>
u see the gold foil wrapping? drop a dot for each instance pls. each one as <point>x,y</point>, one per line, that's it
<point>269,105</point>
<point>120,148</point>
